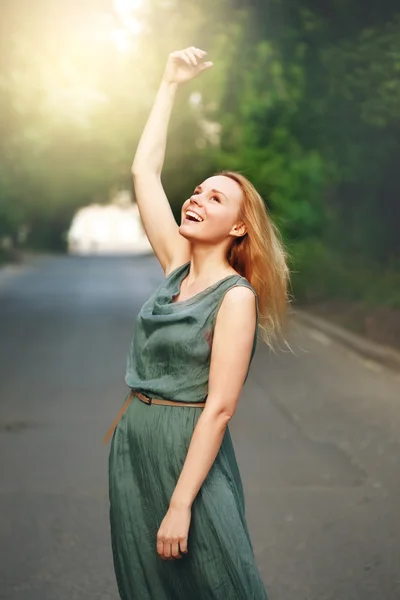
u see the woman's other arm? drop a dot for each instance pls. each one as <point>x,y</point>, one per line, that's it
<point>155,211</point>
<point>231,351</point>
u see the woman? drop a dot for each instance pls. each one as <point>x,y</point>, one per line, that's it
<point>172,465</point>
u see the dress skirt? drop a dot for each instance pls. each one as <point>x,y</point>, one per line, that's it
<point>147,454</point>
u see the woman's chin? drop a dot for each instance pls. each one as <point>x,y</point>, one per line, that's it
<point>184,232</point>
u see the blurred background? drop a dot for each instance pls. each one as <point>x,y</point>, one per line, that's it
<point>304,99</point>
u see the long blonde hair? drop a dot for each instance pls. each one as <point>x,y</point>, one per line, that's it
<point>260,257</point>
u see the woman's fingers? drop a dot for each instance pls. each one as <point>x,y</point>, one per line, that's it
<point>167,550</point>
<point>195,54</point>
<point>182,55</point>
<point>190,54</point>
<point>201,66</point>
<point>197,51</point>
<point>191,57</point>
<point>198,54</point>
<point>160,548</point>
<point>175,550</point>
<point>206,65</point>
<point>171,550</point>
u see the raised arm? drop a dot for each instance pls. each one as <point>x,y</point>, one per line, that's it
<point>155,211</point>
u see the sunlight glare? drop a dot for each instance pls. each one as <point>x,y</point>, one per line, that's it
<point>120,39</point>
<point>130,26</point>
<point>126,7</point>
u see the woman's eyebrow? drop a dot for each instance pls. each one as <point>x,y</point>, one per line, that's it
<point>198,187</point>
<point>218,192</point>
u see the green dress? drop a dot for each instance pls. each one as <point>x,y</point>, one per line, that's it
<point>169,357</point>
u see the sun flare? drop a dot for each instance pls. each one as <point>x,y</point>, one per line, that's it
<point>130,25</point>
<point>124,7</point>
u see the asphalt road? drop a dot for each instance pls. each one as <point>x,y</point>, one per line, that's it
<point>316,433</point>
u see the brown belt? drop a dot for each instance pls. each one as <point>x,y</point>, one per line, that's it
<point>147,400</point>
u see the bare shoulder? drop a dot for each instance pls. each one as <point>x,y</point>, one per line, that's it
<point>239,294</point>
<point>239,303</point>
<point>235,322</point>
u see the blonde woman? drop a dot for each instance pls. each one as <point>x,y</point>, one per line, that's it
<point>177,511</point>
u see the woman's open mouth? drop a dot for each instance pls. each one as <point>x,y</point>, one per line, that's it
<point>191,220</point>
<point>193,217</point>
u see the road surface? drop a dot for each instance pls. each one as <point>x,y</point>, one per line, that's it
<point>316,433</point>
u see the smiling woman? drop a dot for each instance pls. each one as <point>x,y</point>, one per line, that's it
<point>178,524</point>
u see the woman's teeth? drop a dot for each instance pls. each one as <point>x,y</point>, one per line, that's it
<point>191,216</point>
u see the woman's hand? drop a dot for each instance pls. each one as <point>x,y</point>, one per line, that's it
<point>184,65</point>
<point>172,535</point>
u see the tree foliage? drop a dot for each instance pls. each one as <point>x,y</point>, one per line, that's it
<point>303,99</point>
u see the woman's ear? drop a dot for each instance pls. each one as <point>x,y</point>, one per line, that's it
<point>240,229</point>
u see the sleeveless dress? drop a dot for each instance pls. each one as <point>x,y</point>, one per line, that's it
<point>169,357</point>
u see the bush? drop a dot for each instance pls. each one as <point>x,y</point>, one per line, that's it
<point>319,273</point>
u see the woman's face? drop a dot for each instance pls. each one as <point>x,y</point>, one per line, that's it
<point>217,201</point>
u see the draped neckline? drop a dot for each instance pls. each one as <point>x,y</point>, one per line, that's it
<point>176,288</point>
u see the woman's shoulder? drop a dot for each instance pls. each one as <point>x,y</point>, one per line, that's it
<point>234,286</point>
<point>243,281</point>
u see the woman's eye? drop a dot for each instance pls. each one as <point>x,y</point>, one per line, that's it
<point>216,198</point>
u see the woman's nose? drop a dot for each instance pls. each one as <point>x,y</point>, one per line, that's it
<point>195,199</point>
